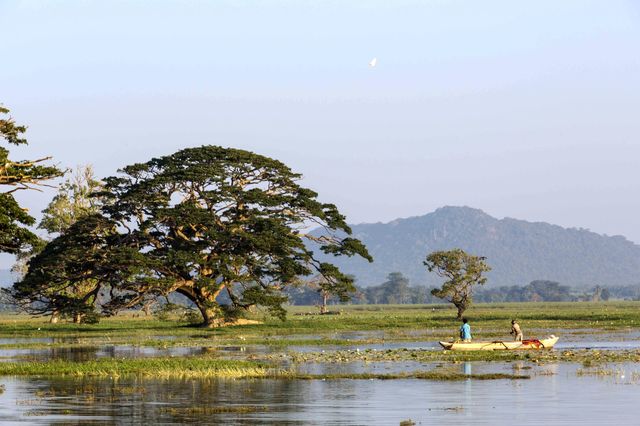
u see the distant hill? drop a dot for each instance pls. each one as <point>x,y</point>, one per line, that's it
<point>518,251</point>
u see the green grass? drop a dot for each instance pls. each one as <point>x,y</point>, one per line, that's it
<point>190,367</point>
<point>203,367</point>
<point>390,322</point>
<point>533,315</point>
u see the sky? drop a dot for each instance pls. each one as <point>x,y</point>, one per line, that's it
<point>522,109</point>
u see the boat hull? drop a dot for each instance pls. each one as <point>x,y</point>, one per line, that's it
<point>498,345</point>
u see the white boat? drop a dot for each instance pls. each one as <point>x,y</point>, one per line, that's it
<point>496,345</point>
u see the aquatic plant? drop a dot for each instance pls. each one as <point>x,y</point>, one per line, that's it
<point>188,367</point>
<point>422,375</point>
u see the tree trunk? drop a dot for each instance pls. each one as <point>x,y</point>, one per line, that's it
<point>461,309</point>
<point>211,315</point>
<point>77,318</point>
<point>146,308</point>
<point>323,307</point>
<point>55,317</point>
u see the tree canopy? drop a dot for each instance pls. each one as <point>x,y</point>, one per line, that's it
<point>214,219</point>
<point>462,271</point>
<point>203,222</point>
<point>75,199</point>
<point>64,279</point>
<point>48,285</point>
<point>17,175</point>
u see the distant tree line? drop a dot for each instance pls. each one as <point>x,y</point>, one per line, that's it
<point>541,291</point>
<point>398,290</point>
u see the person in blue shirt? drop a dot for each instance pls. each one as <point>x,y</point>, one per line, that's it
<point>465,331</point>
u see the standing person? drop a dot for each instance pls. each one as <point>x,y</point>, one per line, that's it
<point>515,330</point>
<point>465,331</point>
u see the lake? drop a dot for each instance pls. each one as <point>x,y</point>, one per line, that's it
<point>555,394</point>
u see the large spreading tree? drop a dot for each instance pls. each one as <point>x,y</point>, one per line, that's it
<point>462,272</point>
<point>211,220</point>
<point>15,234</point>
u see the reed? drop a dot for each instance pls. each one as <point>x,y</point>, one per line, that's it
<point>189,367</point>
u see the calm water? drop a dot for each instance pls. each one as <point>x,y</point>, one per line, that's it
<point>89,353</point>
<point>554,395</point>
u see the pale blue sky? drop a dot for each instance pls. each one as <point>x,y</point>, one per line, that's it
<point>522,109</point>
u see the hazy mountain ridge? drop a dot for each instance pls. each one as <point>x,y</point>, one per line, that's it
<point>518,251</point>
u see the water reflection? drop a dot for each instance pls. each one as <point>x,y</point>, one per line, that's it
<point>90,353</point>
<point>561,398</point>
<point>86,349</point>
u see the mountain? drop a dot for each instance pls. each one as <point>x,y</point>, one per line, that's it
<point>518,251</point>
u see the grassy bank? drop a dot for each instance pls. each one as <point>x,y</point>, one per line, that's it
<point>148,367</point>
<point>382,322</point>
